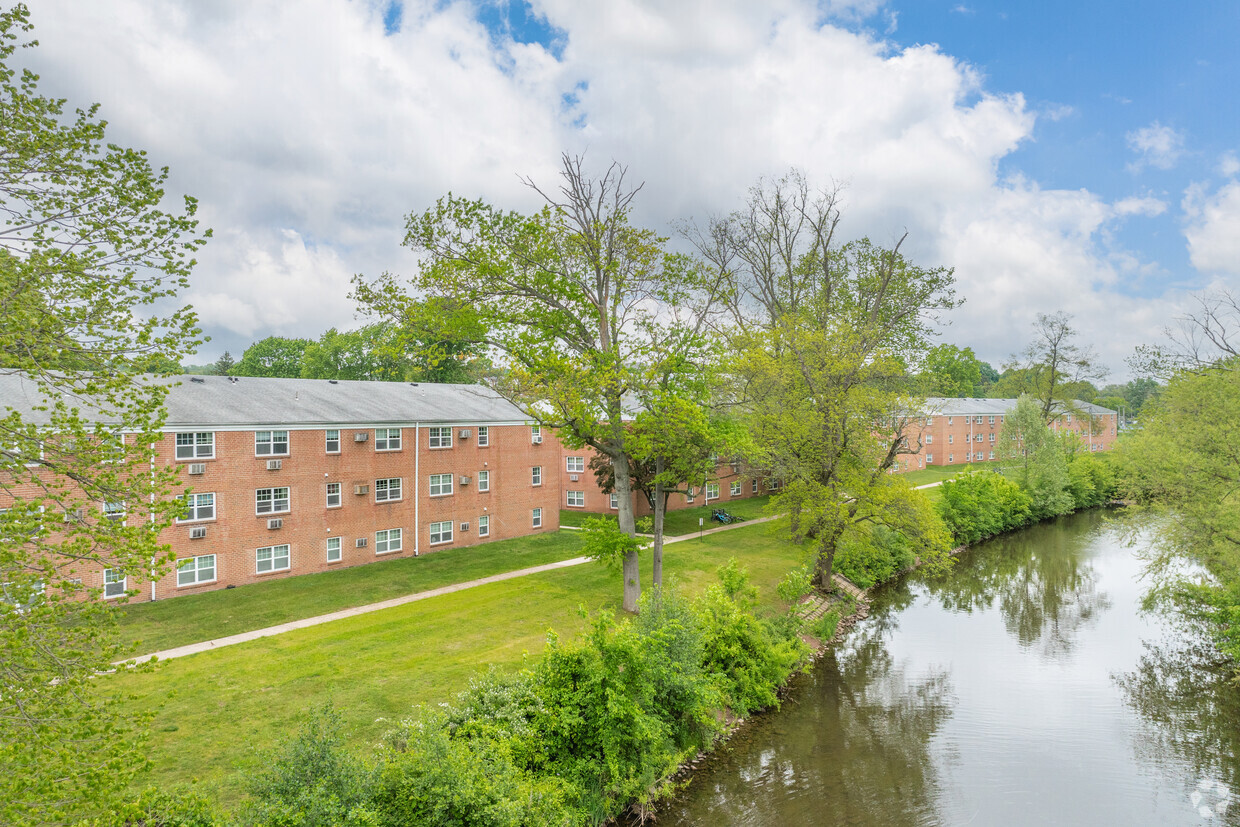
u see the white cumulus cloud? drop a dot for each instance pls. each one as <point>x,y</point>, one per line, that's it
<point>1156,145</point>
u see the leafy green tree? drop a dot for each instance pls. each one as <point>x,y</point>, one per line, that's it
<point>822,334</point>
<point>989,376</point>
<point>224,365</point>
<point>1184,463</point>
<point>951,372</point>
<point>565,297</point>
<point>274,356</point>
<point>1054,369</point>
<point>1033,456</point>
<point>87,259</point>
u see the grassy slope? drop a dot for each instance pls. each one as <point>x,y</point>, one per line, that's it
<point>217,708</point>
<point>168,623</point>
<point>933,474</point>
<point>684,520</point>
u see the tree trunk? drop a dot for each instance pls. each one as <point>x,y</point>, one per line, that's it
<point>660,510</point>
<point>624,496</point>
<point>825,561</point>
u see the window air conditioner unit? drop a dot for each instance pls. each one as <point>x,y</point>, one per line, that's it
<point>572,477</point>
<point>360,542</point>
<point>464,480</point>
<point>464,434</point>
<point>537,440</point>
<point>274,464</point>
<point>198,532</point>
<point>464,527</point>
<point>276,523</point>
<point>197,468</point>
<point>361,436</point>
<point>361,489</point>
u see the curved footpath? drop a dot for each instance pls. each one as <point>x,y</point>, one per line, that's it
<point>255,634</point>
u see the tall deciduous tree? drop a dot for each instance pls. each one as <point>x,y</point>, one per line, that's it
<point>87,256</point>
<point>1055,369</point>
<point>1033,456</point>
<point>565,295</point>
<point>950,371</point>
<point>823,332</point>
<point>274,356</point>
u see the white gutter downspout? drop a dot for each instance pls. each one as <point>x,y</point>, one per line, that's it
<point>417,485</point>
<point>153,565</point>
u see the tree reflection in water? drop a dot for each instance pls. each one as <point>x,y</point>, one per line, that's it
<point>1046,589</point>
<point>1182,687</point>
<point>856,750</point>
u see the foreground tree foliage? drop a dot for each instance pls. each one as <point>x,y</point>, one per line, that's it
<point>822,332</point>
<point>1185,463</point>
<point>86,257</point>
<point>570,296</point>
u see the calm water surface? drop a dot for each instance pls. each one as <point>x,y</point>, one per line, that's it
<point>1026,687</point>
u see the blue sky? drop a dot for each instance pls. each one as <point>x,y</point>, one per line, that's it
<point>1061,156</point>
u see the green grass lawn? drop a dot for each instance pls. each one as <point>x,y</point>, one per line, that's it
<point>684,520</point>
<point>218,710</point>
<point>936,473</point>
<point>167,623</point>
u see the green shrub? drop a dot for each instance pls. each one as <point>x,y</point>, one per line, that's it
<point>874,555</point>
<point>824,627</point>
<point>161,808</point>
<point>980,503</point>
<point>798,583</point>
<point>312,781</point>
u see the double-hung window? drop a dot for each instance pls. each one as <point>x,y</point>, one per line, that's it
<point>199,445</point>
<point>536,518</point>
<point>387,439</point>
<point>441,485</point>
<point>388,490</point>
<point>576,464</point>
<point>270,443</point>
<point>484,438</point>
<point>271,500</point>
<point>929,439</point>
<point>929,458</point>
<point>441,532</point>
<point>614,502</point>
<point>536,475</point>
<point>198,507</point>
<point>484,525</point>
<point>712,491</point>
<point>332,441</point>
<point>196,570</point>
<point>734,489</point>
<point>388,540</point>
<point>440,437</point>
<point>113,583</point>
<point>334,499</point>
<point>753,486</point>
<point>484,480</point>
<point>271,558</point>
<point>576,499</point>
<point>333,550</point>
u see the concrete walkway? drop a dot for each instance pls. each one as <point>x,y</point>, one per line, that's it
<point>305,623</point>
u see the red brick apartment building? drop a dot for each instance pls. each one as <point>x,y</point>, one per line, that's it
<point>293,476</point>
<point>581,491</point>
<point>959,431</point>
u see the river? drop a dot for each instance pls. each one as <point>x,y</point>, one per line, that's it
<point>1026,687</point>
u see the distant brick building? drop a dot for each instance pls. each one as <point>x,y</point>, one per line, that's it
<point>960,431</point>
<point>293,476</point>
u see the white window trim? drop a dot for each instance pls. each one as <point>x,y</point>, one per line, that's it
<point>197,519</point>
<point>536,518</point>
<point>123,581</point>
<point>288,499</point>
<point>431,485</point>
<point>215,570</point>
<point>176,449</point>
<point>339,549</point>
<point>388,540</point>
<point>709,485</point>
<point>735,489</point>
<point>387,440</point>
<point>484,525</point>
<point>613,502</point>
<point>570,464</point>
<point>539,475</point>
<point>441,541</point>
<point>569,496</point>
<point>484,480</point>
<point>327,431</point>
<point>288,558</point>
<point>484,436</point>
<point>400,487</point>
<point>287,443</point>
<point>431,435</point>
<point>339,495</point>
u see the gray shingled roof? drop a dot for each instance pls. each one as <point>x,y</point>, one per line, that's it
<point>943,406</point>
<point>220,402</point>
